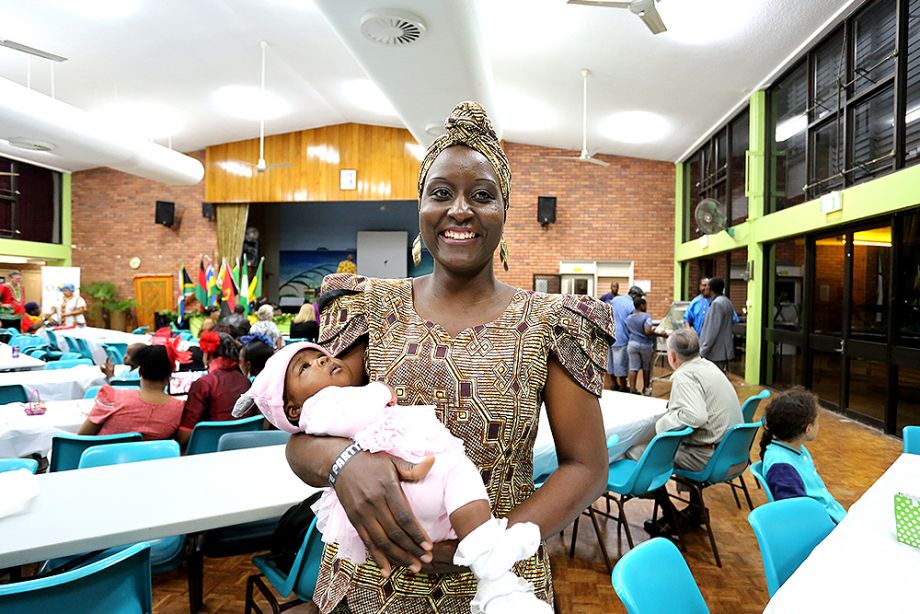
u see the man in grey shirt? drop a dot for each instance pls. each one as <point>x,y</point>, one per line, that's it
<point>716,343</point>
<point>701,398</point>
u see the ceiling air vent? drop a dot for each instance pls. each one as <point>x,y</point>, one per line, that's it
<point>391,27</point>
<point>30,144</point>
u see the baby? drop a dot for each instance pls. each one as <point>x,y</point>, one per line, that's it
<point>304,389</point>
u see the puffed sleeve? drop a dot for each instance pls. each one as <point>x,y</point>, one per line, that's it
<point>344,320</point>
<point>582,335</point>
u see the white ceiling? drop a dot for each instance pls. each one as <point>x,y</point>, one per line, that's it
<point>176,53</point>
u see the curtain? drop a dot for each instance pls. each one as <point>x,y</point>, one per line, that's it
<point>231,228</point>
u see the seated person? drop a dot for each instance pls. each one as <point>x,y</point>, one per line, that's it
<point>237,322</point>
<point>147,410</point>
<point>33,320</point>
<point>211,397</point>
<point>304,389</point>
<point>128,370</point>
<point>254,354</point>
<point>790,420</point>
<point>265,326</point>
<point>701,398</point>
<point>305,325</point>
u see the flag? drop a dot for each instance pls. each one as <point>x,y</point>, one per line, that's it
<point>227,287</point>
<point>255,285</point>
<point>181,309</point>
<point>201,288</point>
<point>188,287</point>
<point>213,290</point>
<point>236,273</point>
<point>244,285</point>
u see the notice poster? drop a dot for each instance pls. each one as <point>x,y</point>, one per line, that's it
<point>53,277</point>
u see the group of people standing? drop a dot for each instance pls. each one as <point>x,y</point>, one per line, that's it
<point>634,346</point>
<point>711,314</point>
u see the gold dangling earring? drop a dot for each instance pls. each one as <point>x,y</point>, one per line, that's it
<point>503,253</point>
<point>417,250</point>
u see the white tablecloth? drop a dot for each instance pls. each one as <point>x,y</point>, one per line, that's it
<point>860,566</point>
<point>91,509</point>
<point>56,384</point>
<point>96,337</point>
<point>21,434</point>
<point>23,362</point>
<point>629,416</point>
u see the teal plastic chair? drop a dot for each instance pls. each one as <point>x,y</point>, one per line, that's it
<point>52,338</point>
<point>68,364</point>
<point>13,393</point>
<point>729,460</point>
<point>117,583</point>
<point>206,435</point>
<point>66,449</point>
<point>787,531</point>
<point>116,351</point>
<point>91,392</point>
<point>79,346</point>
<point>653,577</point>
<point>300,579</point>
<point>749,408</point>
<point>757,471</point>
<point>141,330</point>
<point>125,383</point>
<point>630,479</point>
<point>235,540</point>
<point>70,356</point>
<point>911,436</point>
<point>12,464</point>
<point>12,331</point>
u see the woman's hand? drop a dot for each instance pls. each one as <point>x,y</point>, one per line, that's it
<point>443,559</point>
<point>369,491</point>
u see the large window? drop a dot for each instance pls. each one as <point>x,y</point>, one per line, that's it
<point>717,170</point>
<point>30,202</point>
<point>850,109</point>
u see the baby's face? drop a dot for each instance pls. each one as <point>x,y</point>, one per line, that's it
<point>309,372</point>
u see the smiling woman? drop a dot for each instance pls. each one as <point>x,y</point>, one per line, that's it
<point>486,355</point>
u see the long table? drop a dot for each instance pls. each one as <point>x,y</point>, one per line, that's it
<point>21,434</point>
<point>23,362</point>
<point>56,384</point>
<point>92,509</point>
<point>629,416</point>
<point>860,566</point>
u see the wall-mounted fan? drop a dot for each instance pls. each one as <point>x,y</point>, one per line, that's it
<point>710,216</point>
<point>645,9</point>
<point>584,156</point>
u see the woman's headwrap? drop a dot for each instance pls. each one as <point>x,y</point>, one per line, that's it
<point>468,125</point>
<point>176,356</point>
<point>247,339</point>
<point>267,390</point>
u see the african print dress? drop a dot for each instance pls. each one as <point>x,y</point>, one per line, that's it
<point>487,384</point>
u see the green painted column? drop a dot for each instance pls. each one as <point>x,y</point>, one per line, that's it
<point>755,188</point>
<point>679,196</point>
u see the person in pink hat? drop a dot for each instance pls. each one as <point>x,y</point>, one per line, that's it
<point>304,389</point>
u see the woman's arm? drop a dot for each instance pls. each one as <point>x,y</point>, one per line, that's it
<point>89,428</point>
<point>368,489</point>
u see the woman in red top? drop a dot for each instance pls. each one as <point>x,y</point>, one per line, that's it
<point>147,410</point>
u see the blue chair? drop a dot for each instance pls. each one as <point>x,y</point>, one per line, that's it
<point>757,470</point>
<point>116,351</point>
<point>653,577</point>
<point>52,338</point>
<point>119,582</point>
<point>252,439</point>
<point>66,449</point>
<point>729,460</point>
<point>71,356</point>
<point>68,364</point>
<point>125,383</point>
<point>630,479</point>
<point>749,408</point>
<point>300,579</point>
<point>73,345</point>
<point>787,531</point>
<point>235,540</point>
<point>12,464</point>
<point>13,393</point>
<point>91,392</point>
<point>206,435</point>
<point>141,330</point>
<point>12,331</point>
<point>911,436</point>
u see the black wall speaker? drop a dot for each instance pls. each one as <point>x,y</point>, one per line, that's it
<point>166,213</point>
<point>546,209</point>
<point>207,211</point>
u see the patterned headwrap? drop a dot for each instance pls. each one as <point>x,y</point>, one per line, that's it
<point>469,125</point>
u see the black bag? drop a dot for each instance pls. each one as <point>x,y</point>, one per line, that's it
<point>291,531</point>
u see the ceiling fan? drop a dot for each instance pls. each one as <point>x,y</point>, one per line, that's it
<point>645,9</point>
<point>261,166</point>
<point>584,156</point>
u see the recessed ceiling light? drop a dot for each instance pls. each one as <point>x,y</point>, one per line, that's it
<point>520,112</point>
<point>249,102</point>
<point>635,127</point>
<point>703,22</point>
<point>364,94</point>
<point>147,120</point>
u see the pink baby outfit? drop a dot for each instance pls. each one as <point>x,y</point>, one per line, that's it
<point>368,415</point>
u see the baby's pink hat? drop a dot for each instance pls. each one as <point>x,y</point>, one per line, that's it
<point>267,391</point>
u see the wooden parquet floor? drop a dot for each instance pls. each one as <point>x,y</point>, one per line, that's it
<point>849,456</point>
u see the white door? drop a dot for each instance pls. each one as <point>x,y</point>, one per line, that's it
<point>383,254</point>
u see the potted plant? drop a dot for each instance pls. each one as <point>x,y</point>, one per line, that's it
<point>102,292</point>
<point>119,310</point>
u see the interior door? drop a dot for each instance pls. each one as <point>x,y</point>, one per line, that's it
<point>153,293</point>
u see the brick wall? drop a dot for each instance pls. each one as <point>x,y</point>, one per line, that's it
<point>113,221</point>
<point>621,212</point>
